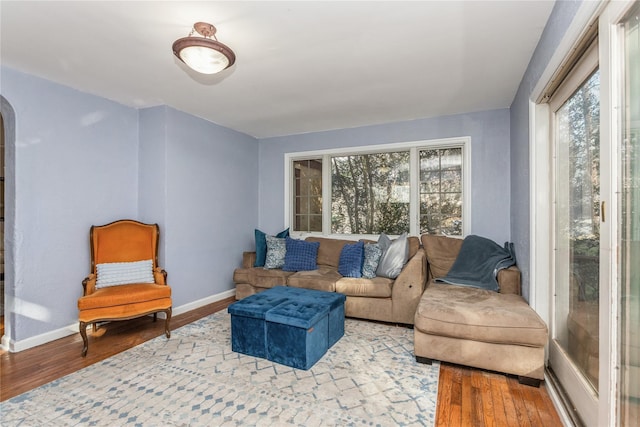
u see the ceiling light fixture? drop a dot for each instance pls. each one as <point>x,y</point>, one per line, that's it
<point>204,54</point>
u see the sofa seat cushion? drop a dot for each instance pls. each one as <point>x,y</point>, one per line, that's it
<point>479,315</point>
<point>124,295</point>
<point>378,287</point>
<point>322,279</point>
<point>261,277</point>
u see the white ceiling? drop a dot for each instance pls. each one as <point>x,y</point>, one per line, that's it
<point>302,66</point>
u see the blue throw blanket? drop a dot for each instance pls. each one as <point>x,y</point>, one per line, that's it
<point>478,263</point>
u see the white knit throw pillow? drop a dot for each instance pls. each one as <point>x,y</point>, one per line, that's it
<point>124,273</point>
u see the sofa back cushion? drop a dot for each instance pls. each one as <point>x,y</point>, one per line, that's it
<point>329,250</point>
<point>441,252</point>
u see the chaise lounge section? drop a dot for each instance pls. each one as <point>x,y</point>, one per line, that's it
<point>497,331</point>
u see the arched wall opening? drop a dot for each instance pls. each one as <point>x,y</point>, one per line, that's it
<point>8,124</point>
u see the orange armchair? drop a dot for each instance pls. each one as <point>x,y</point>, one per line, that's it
<point>120,285</point>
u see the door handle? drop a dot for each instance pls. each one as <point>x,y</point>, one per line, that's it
<point>602,211</point>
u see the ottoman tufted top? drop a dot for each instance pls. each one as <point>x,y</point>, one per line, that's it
<point>256,306</point>
<point>297,313</point>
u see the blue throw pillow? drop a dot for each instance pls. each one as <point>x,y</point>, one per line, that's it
<point>261,245</point>
<point>301,255</point>
<point>351,258</point>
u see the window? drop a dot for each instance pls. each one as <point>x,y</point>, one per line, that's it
<point>441,191</point>
<point>418,187</point>
<point>370,193</point>
<point>308,195</point>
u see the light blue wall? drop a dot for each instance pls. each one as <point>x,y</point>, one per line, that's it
<point>489,132</point>
<point>80,160</point>
<point>75,165</point>
<point>561,16</point>
<point>211,198</point>
<point>152,176</point>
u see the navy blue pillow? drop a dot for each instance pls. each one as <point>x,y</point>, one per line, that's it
<point>261,245</point>
<point>301,255</point>
<point>351,259</point>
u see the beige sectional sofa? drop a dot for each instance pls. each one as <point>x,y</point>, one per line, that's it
<point>379,298</point>
<point>496,331</point>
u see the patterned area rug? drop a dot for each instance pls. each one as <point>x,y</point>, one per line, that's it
<point>368,378</point>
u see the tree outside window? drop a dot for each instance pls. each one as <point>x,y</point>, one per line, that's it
<point>415,187</point>
<point>441,191</point>
<point>370,193</point>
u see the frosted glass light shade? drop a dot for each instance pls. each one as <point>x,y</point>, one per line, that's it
<point>203,59</point>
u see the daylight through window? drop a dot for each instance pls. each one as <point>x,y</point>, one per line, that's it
<point>418,188</point>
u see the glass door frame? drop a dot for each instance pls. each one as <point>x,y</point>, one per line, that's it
<point>607,16</point>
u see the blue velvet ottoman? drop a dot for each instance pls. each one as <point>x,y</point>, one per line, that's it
<point>334,300</point>
<point>248,327</point>
<point>297,333</point>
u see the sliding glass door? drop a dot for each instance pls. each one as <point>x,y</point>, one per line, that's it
<point>586,232</point>
<point>629,272</point>
<point>574,348</point>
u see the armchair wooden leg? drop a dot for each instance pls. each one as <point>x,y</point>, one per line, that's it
<point>83,333</point>
<point>155,316</point>
<point>167,332</point>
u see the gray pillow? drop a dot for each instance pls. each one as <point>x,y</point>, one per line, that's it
<point>276,252</point>
<point>395,254</point>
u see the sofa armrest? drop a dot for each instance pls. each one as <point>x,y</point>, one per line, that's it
<point>509,280</point>
<point>408,288</point>
<point>248,259</point>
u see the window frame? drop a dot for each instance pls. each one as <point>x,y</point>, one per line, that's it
<point>413,147</point>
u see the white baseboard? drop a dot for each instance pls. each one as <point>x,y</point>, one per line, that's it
<point>18,346</point>
<point>202,302</point>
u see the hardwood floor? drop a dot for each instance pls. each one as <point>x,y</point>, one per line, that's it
<point>473,397</point>
<point>466,397</point>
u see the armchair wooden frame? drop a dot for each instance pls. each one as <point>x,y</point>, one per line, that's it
<point>123,241</point>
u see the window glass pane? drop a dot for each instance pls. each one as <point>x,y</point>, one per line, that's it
<point>441,191</point>
<point>452,181</point>
<point>370,193</point>
<point>430,203</point>
<point>307,194</point>
<point>430,224</point>
<point>430,181</point>
<point>315,222</point>
<point>451,158</point>
<point>577,219</point>
<point>429,160</point>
